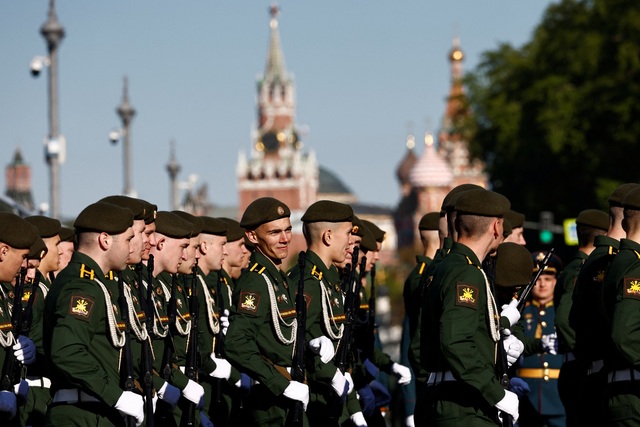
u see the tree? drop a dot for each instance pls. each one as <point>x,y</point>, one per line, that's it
<point>557,121</point>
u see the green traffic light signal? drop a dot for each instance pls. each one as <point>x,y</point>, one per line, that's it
<point>546,236</point>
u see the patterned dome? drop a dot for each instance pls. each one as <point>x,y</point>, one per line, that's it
<point>430,170</point>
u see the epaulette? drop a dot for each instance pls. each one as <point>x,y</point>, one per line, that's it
<point>422,267</point>
<point>257,268</point>
<point>315,273</point>
<point>86,272</point>
<point>110,275</point>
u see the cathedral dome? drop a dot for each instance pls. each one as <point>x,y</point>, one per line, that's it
<point>408,162</point>
<point>431,170</point>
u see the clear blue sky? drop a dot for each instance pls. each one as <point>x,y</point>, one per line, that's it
<point>367,73</point>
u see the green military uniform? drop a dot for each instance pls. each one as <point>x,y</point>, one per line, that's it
<point>261,336</point>
<point>82,341</point>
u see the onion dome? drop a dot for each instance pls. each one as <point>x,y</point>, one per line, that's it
<point>407,162</point>
<point>431,170</point>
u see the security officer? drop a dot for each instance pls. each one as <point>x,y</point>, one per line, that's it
<point>540,364</point>
<point>16,238</point>
<point>83,335</point>
<point>263,324</point>
<point>461,326</point>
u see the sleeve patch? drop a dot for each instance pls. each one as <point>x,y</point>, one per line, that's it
<point>466,295</point>
<point>249,302</point>
<point>80,307</point>
<point>631,288</point>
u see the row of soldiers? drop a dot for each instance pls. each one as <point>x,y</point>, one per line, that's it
<point>173,319</point>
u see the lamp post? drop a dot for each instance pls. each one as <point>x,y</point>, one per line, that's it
<point>173,168</point>
<point>53,34</point>
<point>126,113</point>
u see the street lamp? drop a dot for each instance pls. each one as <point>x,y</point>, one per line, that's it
<point>126,113</point>
<point>55,144</point>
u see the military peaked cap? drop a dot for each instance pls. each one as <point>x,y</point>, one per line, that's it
<point>47,227</point>
<point>429,221</point>
<point>328,211</point>
<point>172,225</point>
<point>16,232</point>
<point>513,265</point>
<point>263,210</point>
<point>593,218</point>
<point>555,263</point>
<point>214,226</point>
<point>482,202</point>
<point>104,217</point>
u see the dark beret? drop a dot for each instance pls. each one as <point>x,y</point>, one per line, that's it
<point>151,212</point>
<point>195,221</point>
<point>617,197</point>
<point>234,231</point>
<point>104,217</point>
<point>137,206</point>
<point>38,250</point>
<point>67,234</point>
<point>328,211</point>
<point>47,227</point>
<point>449,200</point>
<point>16,232</point>
<point>357,227</point>
<point>429,221</point>
<point>368,242</point>
<point>631,200</point>
<point>555,263</point>
<point>214,226</point>
<point>516,219</point>
<point>513,265</point>
<point>482,202</point>
<point>507,228</point>
<point>172,225</point>
<point>263,210</point>
<point>593,218</point>
<point>378,233</point>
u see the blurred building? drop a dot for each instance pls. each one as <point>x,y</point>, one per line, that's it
<point>18,192</point>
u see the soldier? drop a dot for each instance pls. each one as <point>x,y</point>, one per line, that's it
<point>82,335</point>
<point>16,238</point>
<point>582,380</point>
<point>428,229</point>
<point>66,248</point>
<point>37,375</point>
<point>237,258</point>
<point>515,221</point>
<point>263,323</point>
<point>460,323</point>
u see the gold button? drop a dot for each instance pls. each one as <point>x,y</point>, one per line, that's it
<point>545,364</point>
<point>544,324</point>
<point>542,313</point>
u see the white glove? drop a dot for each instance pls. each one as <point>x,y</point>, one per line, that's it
<point>169,394</point>
<point>24,350</point>
<point>8,403</point>
<point>131,404</point>
<point>402,373</point>
<point>339,382</point>
<point>511,312</point>
<point>550,343</point>
<point>347,376</point>
<point>21,390</point>
<point>193,391</point>
<point>298,391</point>
<point>224,321</point>
<point>409,422</point>
<point>509,404</point>
<point>514,348</point>
<point>358,419</point>
<point>324,347</point>
<point>223,368</point>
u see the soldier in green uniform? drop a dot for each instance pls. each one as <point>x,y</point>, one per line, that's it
<point>515,221</point>
<point>237,258</point>
<point>65,247</point>
<point>16,238</point>
<point>263,324</point>
<point>83,333</point>
<point>37,376</point>
<point>461,326</point>
<point>582,380</point>
<point>327,229</point>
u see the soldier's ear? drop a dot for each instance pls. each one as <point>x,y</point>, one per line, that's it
<point>160,243</point>
<point>4,250</point>
<point>251,235</point>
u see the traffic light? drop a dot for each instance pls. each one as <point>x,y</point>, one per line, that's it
<point>545,227</point>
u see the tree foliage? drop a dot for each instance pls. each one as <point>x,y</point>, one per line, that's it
<point>558,120</point>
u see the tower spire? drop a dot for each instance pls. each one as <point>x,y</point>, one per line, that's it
<point>275,68</point>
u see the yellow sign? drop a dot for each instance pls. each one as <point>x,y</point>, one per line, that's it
<point>570,234</point>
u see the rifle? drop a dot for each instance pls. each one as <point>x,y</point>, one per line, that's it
<point>11,367</point>
<point>127,362</point>
<point>350,309</point>
<point>191,364</point>
<point>147,361</point>
<point>168,346</point>
<point>219,346</point>
<point>522,298</point>
<point>297,365</point>
<point>371,326</point>
<point>27,314</point>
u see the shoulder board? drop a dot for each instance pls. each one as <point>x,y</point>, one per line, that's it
<point>257,268</point>
<point>110,275</point>
<point>422,267</point>
<point>315,273</point>
<point>86,272</point>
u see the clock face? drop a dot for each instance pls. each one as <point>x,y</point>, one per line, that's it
<point>269,142</point>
